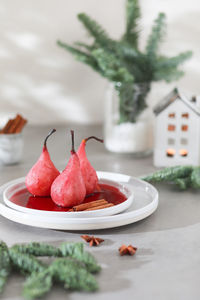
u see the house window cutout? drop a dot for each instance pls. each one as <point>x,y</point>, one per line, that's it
<point>171,115</point>
<point>171,127</point>
<point>183,152</point>
<point>184,141</point>
<point>170,152</point>
<point>171,141</point>
<point>185,115</point>
<point>184,127</point>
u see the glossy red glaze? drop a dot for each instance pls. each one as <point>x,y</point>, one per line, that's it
<point>25,199</point>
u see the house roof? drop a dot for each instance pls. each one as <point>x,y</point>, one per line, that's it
<point>173,96</point>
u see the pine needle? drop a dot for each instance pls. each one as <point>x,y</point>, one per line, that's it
<point>5,265</point>
<point>80,55</point>
<point>111,67</point>
<point>94,29</point>
<point>156,36</point>
<point>132,19</point>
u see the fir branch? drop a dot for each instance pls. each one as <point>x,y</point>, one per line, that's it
<point>173,62</point>
<point>73,275</point>
<point>85,46</point>
<point>80,55</point>
<point>169,174</point>
<point>5,266</point>
<point>168,74</point>
<point>156,36</point>
<point>127,52</point>
<point>76,251</point>
<point>195,178</point>
<point>37,249</point>
<point>183,183</point>
<point>132,18</point>
<point>111,67</point>
<point>123,64</point>
<point>26,263</point>
<point>94,29</point>
<point>38,284</point>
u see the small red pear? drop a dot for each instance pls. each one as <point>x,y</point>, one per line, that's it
<point>88,172</point>
<point>68,189</point>
<point>41,176</point>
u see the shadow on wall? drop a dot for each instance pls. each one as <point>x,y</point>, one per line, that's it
<point>41,80</point>
<point>46,84</point>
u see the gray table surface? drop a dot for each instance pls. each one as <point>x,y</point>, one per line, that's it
<point>166,265</point>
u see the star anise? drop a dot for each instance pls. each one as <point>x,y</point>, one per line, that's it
<point>93,241</point>
<point>127,250</point>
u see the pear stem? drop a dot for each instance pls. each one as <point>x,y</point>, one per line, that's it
<point>72,135</point>
<point>50,133</point>
<point>95,138</point>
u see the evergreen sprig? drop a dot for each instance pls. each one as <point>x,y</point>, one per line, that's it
<point>156,37</point>
<point>183,177</point>
<point>73,267</point>
<point>132,19</point>
<point>121,62</point>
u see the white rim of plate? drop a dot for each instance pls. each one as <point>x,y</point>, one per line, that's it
<point>82,214</point>
<point>87,223</point>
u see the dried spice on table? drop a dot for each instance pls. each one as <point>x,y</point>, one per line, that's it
<point>93,241</point>
<point>127,250</point>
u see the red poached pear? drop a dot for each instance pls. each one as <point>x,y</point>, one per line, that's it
<point>88,172</point>
<point>68,189</point>
<point>41,176</point>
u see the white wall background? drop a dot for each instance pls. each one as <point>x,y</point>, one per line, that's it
<point>46,84</point>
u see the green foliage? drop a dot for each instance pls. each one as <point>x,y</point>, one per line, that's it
<point>183,183</point>
<point>73,275</point>
<point>155,37</point>
<point>5,265</point>
<point>26,263</point>
<point>67,271</point>
<point>81,56</point>
<point>132,19</point>
<point>166,68</point>
<point>183,177</point>
<point>38,284</point>
<point>95,30</point>
<point>121,62</point>
<point>72,269</point>
<point>111,67</point>
<point>169,174</point>
<point>195,178</point>
<point>76,251</point>
<point>37,249</point>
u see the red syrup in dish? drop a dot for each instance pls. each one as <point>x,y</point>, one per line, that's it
<point>25,199</point>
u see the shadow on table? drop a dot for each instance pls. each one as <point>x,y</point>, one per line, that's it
<point>176,209</point>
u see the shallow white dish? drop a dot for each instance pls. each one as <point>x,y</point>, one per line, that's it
<point>19,185</point>
<point>144,204</point>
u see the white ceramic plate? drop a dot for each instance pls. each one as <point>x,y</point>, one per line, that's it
<point>19,185</point>
<point>144,204</point>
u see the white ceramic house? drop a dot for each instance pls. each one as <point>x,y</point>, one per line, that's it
<point>177,131</point>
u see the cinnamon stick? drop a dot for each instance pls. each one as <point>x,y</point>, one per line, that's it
<point>14,124</point>
<point>100,206</point>
<point>7,126</point>
<point>20,126</point>
<point>88,205</point>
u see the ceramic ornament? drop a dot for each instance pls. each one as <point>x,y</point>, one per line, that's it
<point>177,131</point>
